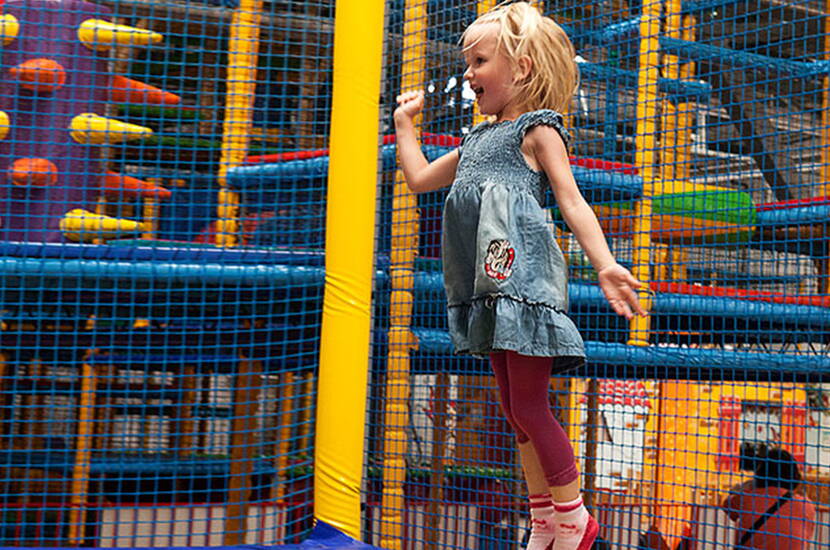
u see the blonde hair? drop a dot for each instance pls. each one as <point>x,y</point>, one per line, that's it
<point>523,31</point>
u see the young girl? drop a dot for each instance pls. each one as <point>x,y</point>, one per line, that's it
<point>505,276</point>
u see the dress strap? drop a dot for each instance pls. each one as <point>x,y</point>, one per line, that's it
<point>544,117</point>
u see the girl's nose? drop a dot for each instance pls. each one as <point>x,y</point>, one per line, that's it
<point>468,73</point>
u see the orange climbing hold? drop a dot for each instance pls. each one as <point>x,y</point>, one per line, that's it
<point>39,75</point>
<point>35,171</point>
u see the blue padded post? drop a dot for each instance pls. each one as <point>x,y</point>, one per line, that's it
<point>269,176</point>
<point>669,360</point>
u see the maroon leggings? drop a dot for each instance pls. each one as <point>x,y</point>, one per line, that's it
<point>523,387</point>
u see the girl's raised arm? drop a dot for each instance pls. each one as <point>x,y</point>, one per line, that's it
<point>420,174</point>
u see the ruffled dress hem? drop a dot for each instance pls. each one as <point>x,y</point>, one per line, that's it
<point>501,322</point>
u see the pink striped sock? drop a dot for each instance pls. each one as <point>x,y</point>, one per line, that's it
<point>543,528</point>
<point>575,528</point>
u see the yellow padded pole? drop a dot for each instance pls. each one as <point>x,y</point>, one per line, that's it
<point>350,224</point>
<point>404,246</point>
<point>243,49</point>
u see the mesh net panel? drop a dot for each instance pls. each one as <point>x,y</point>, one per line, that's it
<point>158,388</point>
<point>162,238</point>
<point>700,138</point>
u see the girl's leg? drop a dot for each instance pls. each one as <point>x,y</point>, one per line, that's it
<point>543,526</point>
<point>528,379</point>
<point>528,387</point>
<point>532,470</point>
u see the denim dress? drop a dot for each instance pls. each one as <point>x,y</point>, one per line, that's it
<point>505,277</point>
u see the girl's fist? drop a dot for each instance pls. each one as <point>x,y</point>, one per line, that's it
<point>410,103</point>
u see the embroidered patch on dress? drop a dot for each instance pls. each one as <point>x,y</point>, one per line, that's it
<point>498,264</point>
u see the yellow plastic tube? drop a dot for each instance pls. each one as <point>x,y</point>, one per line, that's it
<point>350,225</point>
<point>404,246</point>
<point>677,119</point>
<point>83,454</point>
<point>243,49</point>
<point>645,157</point>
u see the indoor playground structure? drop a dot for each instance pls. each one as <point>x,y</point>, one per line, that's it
<point>222,316</point>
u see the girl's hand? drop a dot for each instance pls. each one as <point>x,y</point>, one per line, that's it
<point>619,285</point>
<point>410,104</point>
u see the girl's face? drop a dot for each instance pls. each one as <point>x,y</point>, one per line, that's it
<point>490,73</point>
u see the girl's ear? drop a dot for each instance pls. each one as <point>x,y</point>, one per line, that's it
<point>523,66</point>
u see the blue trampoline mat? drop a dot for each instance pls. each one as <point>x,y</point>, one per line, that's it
<point>326,536</point>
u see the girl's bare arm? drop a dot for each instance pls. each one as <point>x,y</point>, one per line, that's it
<point>617,283</point>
